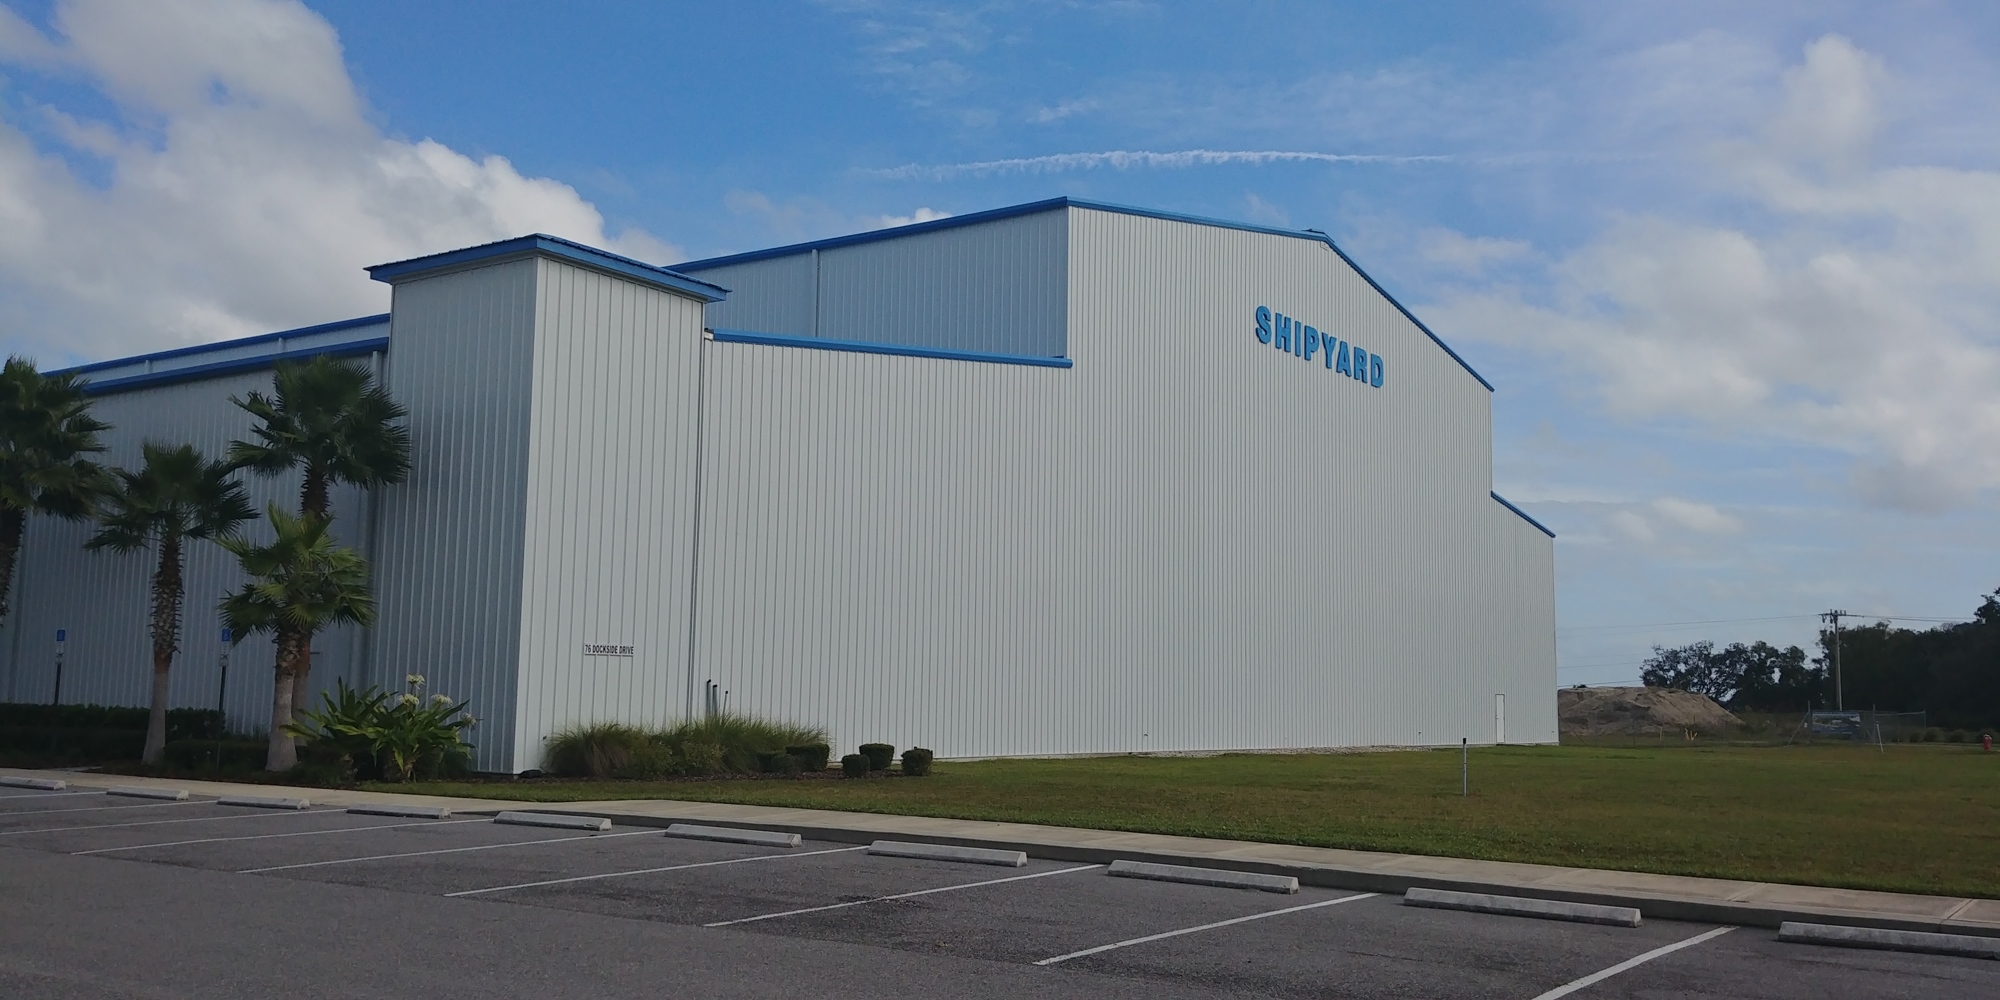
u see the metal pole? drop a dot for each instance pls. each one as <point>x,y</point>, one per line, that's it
<point>62,643</point>
<point>221,686</point>
<point>1834,616</point>
<point>1464,768</point>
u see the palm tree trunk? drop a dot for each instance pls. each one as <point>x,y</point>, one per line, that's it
<point>166,641</point>
<point>12,520</point>
<point>313,493</point>
<point>283,753</point>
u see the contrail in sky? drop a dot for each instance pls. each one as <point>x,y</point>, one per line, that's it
<point>1123,159</point>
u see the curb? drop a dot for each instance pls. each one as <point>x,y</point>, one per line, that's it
<point>1523,906</point>
<point>1363,879</point>
<point>1965,945</point>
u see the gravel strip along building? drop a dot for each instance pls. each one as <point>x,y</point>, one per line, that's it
<point>1061,478</point>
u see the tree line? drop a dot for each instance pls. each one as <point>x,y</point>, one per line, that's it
<point>326,418</point>
<point>1950,672</point>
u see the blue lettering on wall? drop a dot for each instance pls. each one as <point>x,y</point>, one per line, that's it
<point>1300,340</point>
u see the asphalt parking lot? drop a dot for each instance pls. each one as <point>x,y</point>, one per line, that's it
<point>109,896</point>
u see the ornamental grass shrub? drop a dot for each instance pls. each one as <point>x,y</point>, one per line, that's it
<point>721,744</point>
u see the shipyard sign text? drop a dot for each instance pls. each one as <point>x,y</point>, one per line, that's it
<point>1302,341</point>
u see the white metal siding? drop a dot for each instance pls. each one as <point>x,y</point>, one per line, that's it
<point>449,571</point>
<point>610,502</point>
<point>997,287</point>
<point>1189,541</point>
<point>774,295</point>
<point>104,600</point>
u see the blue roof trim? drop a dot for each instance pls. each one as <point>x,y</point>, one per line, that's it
<point>866,347</point>
<point>232,366</point>
<point>553,246</point>
<point>1052,204</point>
<point>262,338</point>
<point>1524,514</point>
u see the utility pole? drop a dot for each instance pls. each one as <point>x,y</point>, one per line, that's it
<point>1834,616</point>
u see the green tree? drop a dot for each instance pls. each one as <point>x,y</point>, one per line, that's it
<point>333,422</point>
<point>176,495</point>
<point>303,582</point>
<point>47,436</point>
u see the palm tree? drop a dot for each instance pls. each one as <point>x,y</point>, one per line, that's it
<point>176,495</point>
<point>331,420</point>
<point>46,437</point>
<point>303,583</point>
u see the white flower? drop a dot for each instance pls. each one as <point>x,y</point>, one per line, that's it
<point>415,678</point>
<point>438,699</point>
<point>409,699</point>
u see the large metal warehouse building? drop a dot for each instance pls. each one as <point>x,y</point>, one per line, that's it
<point>1061,478</point>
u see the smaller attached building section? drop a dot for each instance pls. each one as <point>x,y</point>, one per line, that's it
<point>539,558</point>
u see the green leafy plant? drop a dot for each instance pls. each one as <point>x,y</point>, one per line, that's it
<point>854,765</point>
<point>398,733</point>
<point>597,751</point>
<point>916,762</point>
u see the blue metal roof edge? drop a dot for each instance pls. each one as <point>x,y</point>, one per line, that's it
<point>554,246</point>
<point>1051,204</point>
<point>1524,514</point>
<point>262,338</point>
<point>232,366</point>
<point>869,347</point>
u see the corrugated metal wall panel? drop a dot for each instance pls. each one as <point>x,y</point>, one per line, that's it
<point>450,548</point>
<point>998,287</point>
<point>1188,541</point>
<point>104,600</point>
<point>610,504</point>
<point>768,296</point>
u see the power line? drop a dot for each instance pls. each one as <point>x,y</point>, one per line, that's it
<point>1711,621</point>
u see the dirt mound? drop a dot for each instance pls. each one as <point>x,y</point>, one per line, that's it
<point>1639,711</point>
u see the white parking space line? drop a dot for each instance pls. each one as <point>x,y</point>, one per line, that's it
<point>48,796</point>
<point>651,871</point>
<point>1204,927</point>
<point>444,850</point>
<point>269,836</point>
<point>86,809</point>
<point>900,895</point>
<point>161,822</point>
<point>1631,963</point>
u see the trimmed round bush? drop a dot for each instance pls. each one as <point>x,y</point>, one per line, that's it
<point>811,756</point>
<point>879,755</point>
<point>854,765</point>
<point>916,762</point>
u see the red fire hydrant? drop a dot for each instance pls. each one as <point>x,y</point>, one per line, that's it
<point>1986,742</point>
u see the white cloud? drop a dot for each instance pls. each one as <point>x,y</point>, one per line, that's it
<point>239,189</point>
<point>1847,304</point>
<point>1129,159</point>
<point>1062,110</point>
<point>1468,253</point>
<point>801,219</point>
<point>922,214</point>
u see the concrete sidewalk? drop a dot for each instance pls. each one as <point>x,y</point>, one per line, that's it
<point>1670,897</point>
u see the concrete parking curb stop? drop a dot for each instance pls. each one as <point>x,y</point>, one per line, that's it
<point>1220,877</point>
<point>1886,940</point>
<point>560,821</point>
<point>409,812</point>
<point>39,784</point>
<point>948,852</point>
<point>762,838</point>
<point>138,792</point>
<point>262,802</point>
<point>1522,906</point>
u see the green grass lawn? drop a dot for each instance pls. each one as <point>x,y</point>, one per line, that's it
<point>1911,819</point>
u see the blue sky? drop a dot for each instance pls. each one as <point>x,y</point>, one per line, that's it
<point>1734,268</point>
